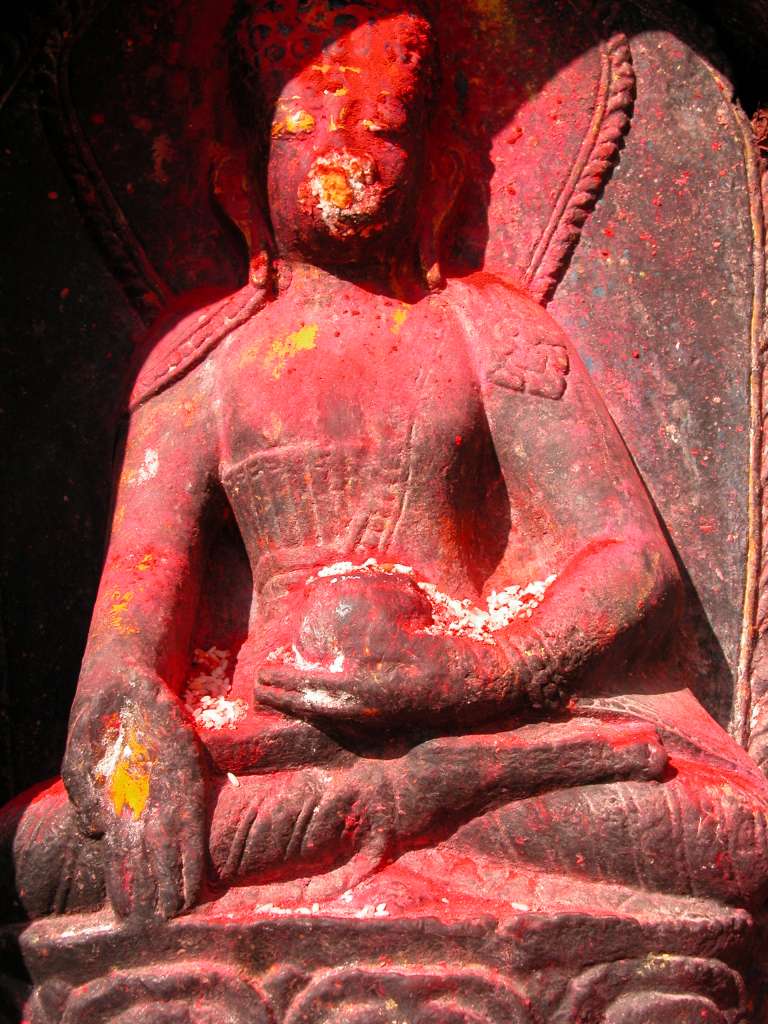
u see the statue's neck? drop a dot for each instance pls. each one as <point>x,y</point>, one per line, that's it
<point>394,280</point>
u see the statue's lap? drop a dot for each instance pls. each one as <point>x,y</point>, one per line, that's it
<point>700,832</point>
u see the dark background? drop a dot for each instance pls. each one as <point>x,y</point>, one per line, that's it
<point>66,340</point>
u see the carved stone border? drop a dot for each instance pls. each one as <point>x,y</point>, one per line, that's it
<point>123,251</point>
<point>591,170</point>
<point>749,723</point>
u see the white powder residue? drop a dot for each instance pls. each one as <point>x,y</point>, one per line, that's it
<point>367,910</point>
<point>149,466</point>
<point>272,908</point>
<point>344,187</point>
<point>207,691</point>
<point>335,665</point>
<point>293,657</point>
<point>462,618</point>
<point>372,910</point>
<point>342,569</point>
<point>116,750</point>
<point>327,701</point>
<point>453,617</point>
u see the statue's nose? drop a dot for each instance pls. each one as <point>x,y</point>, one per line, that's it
<point>335,187</point>
<point>343,180</point>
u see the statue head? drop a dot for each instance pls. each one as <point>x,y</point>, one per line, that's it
<point>347,87</point>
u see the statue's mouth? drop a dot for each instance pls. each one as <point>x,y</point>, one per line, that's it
<point>343,191</point>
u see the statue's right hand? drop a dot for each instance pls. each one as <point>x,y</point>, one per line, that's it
<point>133,771</point>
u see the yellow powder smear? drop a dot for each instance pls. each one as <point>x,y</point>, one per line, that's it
<point>398,318</point>
<point>129,785</point>
<point>146,562</point>
<point>283,349</point>
<point>336,121</point>
<point>117,613</point>
<point>343,68</point>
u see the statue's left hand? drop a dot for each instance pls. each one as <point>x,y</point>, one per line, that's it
<point>417,677</point>
<point>133,771</point>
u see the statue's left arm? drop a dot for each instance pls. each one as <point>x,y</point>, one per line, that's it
<point>579,514</point>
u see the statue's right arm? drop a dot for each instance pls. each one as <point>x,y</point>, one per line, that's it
<point>147,596</point>
<point>132,765</point>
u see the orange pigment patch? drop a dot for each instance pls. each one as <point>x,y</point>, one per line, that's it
<point>336,188</point>
<point>145,563</point>
<point>295,123</point>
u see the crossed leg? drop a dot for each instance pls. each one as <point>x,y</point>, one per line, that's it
<point>581,798</point>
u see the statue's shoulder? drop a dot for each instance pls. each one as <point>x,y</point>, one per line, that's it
<point>516,344</point>
<point>183,338</point>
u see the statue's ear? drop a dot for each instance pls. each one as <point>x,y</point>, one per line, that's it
<point>445,175</point>
<point>234,192</point>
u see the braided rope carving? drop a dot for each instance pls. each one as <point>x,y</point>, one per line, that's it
<point>181,349</point>
<point>591,170</point>
<point>123,252</point>
<point>750,721</point>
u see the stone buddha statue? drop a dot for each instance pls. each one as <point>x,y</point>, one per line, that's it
<point>457,658</point>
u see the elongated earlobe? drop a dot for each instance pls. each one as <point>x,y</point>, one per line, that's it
<point>445,176</point>
<point>234,193</point>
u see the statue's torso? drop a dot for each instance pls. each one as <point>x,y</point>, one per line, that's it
<point>352,428</point>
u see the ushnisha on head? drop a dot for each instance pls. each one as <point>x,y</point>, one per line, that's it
<point>348,88</point>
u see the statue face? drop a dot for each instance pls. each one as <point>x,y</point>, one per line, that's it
<point>346,145</point>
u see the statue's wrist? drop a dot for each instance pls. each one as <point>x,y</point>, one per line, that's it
<point>534,671</point>
<point>110,677</point>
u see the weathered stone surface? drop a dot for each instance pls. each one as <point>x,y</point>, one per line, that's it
<point>421,615</point>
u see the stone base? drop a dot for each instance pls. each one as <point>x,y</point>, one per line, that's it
<point>238,960</point>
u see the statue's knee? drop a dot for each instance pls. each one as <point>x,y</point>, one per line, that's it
<point>48,866</point>
<point>743,861</point>
<point>724,829</point>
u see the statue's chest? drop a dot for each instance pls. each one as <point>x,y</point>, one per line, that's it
<point>386,377</point>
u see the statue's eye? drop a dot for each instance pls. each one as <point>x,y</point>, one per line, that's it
<point>292,122</point>
<point>390,114</point>
<point>381,127</point>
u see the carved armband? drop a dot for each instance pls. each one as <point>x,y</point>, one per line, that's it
<point>531,366</point>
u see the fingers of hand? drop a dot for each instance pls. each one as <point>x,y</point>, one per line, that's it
<point>164,849</point>
<point>641,752</point>
<point>125,870</point>
<point>155,864</point>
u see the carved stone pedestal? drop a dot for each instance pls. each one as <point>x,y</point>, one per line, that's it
<point>235,960</point>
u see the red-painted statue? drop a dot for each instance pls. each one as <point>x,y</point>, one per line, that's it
<point>459,674</point>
